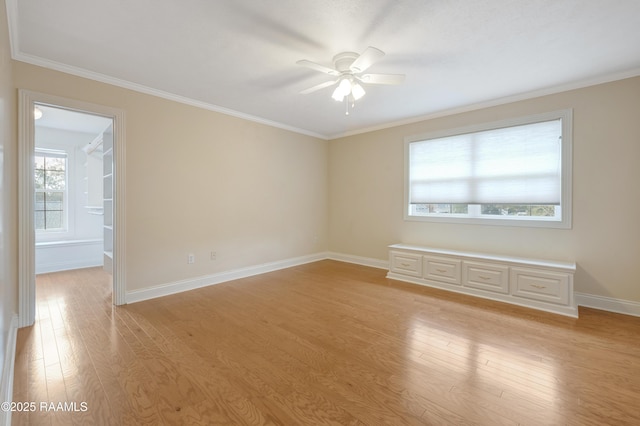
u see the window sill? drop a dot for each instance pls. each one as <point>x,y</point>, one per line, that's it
<point>490,221</point>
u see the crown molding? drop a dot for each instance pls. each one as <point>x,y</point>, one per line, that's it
<point>102,78</point>
<point>16,54</point>
<point>607,78</point>
<point>80,72</point>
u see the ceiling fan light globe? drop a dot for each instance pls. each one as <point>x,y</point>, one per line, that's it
<point>338,95</point>
<point>345,86</point>
<point>343,89</point>
<point>357,91</point>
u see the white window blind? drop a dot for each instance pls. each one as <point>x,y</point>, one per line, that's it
<point>513,165</point>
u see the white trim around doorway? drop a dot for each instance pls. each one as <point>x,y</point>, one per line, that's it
<point>26,234</point>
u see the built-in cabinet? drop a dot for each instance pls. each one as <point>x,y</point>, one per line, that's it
<point>107,194</point>
<point>540,284</point>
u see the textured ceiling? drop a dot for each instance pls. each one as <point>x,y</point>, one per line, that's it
<point>240,56</point>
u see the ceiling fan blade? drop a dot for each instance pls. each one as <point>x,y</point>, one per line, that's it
<point>382,78</point>
<point>318,67</point>
<point>364,61</point>
<point>318,87</point>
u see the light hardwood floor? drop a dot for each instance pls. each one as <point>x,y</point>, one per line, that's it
<point>323,343</point>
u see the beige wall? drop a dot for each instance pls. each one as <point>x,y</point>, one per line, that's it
<point>199,181</point>
<point>8,189</point>
<point>366,192</point>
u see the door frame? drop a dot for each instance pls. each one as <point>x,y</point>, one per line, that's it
<point>26,233</point>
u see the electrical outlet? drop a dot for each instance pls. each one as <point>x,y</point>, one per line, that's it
<point>213,255</point>
<point>191,259</point>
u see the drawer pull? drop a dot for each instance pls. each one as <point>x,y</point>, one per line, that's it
<point>484,278</point>
<point>405,264</point>
<point>539,287</point>
<point>441,270</point>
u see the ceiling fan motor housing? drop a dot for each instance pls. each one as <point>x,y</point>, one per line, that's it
<point>342,61</point>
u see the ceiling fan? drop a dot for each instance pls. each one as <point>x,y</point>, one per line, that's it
<point>348,70</point>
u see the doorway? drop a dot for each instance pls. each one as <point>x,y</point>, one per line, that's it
<point>73,189</point>
<point>56,207</point>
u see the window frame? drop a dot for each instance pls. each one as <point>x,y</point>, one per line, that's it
<point>565,222</point>
<point>66,217</point>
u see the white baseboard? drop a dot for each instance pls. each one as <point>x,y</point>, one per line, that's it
<point>610,304</point>
<point>6,382</point>
<point>582,299</point>
<point>205,281</point>
<point>67,266</point>
<point>365,261</point>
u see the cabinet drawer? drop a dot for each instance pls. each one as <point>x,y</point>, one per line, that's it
<point>442,269</point>
<point>541,285</point>
<point>406,263</point>
<point>485,276</point>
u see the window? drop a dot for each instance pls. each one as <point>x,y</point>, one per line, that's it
<point>516,172</point>
<point>50,176</point>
